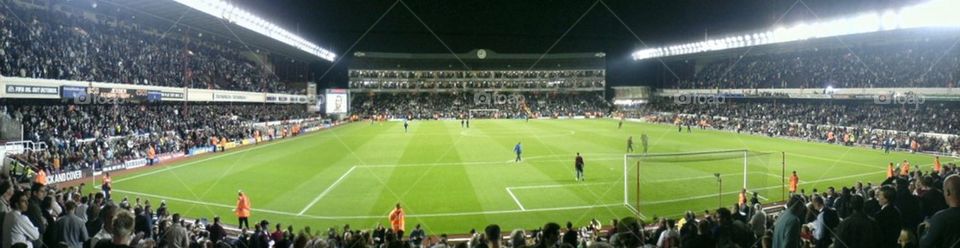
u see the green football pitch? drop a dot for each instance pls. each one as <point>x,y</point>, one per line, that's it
<point>451,179</point>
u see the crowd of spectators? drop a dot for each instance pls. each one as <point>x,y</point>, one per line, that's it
<point>911,208</point>
<point>52,44</point>
<point>843,122</point>
<point>81,136</point>
<point>908,64</point>
<point>459,105</point>
<point>425,79</point>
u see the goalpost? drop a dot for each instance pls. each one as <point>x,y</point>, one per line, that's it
<point>668,184</point>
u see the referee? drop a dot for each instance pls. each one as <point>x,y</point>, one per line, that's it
<point>578,165</point>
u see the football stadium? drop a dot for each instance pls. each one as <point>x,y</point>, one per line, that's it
<point>441,124</point>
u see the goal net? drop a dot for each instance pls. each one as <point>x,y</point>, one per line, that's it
<point>669,184</point>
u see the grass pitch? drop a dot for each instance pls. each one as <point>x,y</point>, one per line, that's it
<point>451,179</point>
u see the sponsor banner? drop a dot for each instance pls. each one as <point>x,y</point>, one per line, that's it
<point>110,168</point>
<point>199,150</point>
<point>13,149</point>
<point>229,97</point>
<point>136,163</point>
<point>65,176</point>
<point>154,96</point>
<point>169,156</point>
<point>32,90</point>
<point>171,95</point>
<point>230,145</point>
<point>73,92</point>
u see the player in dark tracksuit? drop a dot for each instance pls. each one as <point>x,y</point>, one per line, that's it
<point>517,149</point>
<point>578,164</point>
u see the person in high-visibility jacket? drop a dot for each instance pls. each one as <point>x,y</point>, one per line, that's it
<point>936,164</point>
<point>41,177</point>
<point>905,168</point>
<point>890,170</point>
<point>794,182</point>
<point>151,155</point>
<point>397,221</point>
<point>243,210</point>
<point>223,143</point>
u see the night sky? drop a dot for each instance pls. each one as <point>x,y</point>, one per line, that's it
<point>532,26</point>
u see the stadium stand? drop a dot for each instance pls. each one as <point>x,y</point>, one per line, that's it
<point>83,136</point>
<point>866,123</point>
<point>53,44</point>
<point>452,105</point>
<point>908,64</point>
<point>873,216</point>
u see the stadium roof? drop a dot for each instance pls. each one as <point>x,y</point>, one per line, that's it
<point>166,13</point>
<point>932,14</point>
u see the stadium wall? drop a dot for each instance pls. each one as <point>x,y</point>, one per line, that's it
<point>35,88</point>
<point>821,93</point>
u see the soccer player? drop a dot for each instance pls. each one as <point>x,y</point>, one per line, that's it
<point>243,210</point>
<point>630,144</point>
<point>578,165</point>
<point>106,186</point>
<point>643,140</point>
<point>518,150</point>
<point>794,181</point>
<point>397,221</point>
<point>405,125</point>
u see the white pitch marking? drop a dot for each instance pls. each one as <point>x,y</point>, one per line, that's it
<point>515,199</point>
<point>326,191</point>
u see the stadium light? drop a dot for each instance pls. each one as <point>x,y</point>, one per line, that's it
<point>935,13</point>
<point>245,19</point>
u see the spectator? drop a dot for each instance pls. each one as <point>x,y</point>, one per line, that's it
<point>787,228</point>
<point>518,238</point>
<point>122,231</point>
<point>827,221</point>
<point>217,233</point>
<point>669,237</point>
<point>550,236</point>
<point>176,235</point>
<point>888,219</point>
<point>71,229</point>
<point>35,210</point>
<point>417,236</point>
<point>17,228</point>
<point>492,234</point>
<point>943,229</point>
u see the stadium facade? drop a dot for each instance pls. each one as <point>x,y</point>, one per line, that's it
<point>481,82</point>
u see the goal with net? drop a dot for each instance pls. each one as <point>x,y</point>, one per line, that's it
<point>669,184</point>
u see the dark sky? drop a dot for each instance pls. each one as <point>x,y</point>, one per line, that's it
<point>532,26</point>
